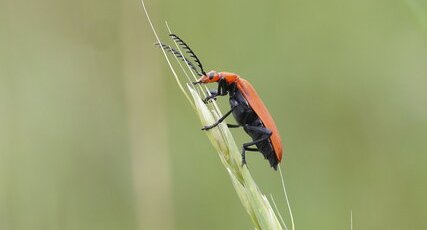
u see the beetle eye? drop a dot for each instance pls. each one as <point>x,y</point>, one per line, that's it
<point>211,75</point>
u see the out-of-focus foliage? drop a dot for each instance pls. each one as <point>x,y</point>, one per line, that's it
<point>95,134</point>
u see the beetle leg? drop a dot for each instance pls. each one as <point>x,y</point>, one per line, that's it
<point>266,133</point>
<point>220,120</point>
<point>221,91</point>
<point>243,121</point>
<point>214,93</point>
<point>252,149</point>
<point>233,126</point>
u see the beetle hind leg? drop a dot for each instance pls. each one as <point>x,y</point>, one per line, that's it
<point>244,149</point>
<point>265,134</point>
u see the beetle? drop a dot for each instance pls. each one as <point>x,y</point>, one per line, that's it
<point>246,106</point>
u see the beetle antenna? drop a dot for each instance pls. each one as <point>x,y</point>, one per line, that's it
<point>189,51</point>
<point>177,54</point>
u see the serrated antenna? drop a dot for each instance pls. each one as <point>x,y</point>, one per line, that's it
<point>189,51</point>
<point>177,54</point>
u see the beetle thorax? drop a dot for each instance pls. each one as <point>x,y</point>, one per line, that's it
<point>230,78</point>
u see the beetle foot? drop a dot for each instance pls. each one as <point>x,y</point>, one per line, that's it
<point>206,128</point>
<point>243,162</point>
<point>243,156</point>
<point>207,99</point>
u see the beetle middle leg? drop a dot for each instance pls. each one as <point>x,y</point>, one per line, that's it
<point>220,120</point>
<point>233,126</point>
<point>265,134</point>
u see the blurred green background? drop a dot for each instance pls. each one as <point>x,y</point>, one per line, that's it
<point>95,134</point>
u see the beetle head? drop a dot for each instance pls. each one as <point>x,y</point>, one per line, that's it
<point>210,77</point>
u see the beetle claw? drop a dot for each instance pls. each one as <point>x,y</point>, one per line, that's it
<point>206,128</point>
<point>243,158</point>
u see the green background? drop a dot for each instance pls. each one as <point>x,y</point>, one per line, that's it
<point>95,134</point>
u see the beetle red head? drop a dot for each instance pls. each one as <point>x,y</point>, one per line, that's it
<point>210,77</point>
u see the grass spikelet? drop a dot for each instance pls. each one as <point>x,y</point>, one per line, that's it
<point>255,203</point>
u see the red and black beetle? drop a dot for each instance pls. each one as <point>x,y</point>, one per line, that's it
<point>246,107</point>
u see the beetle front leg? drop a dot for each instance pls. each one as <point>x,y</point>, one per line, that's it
<point>214,93</point>
<point>221,91</point>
